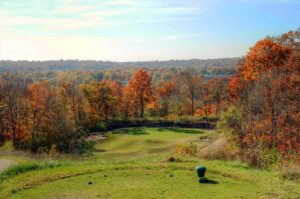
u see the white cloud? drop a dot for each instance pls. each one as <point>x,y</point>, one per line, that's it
<point>71,9</point>
<point>48,23</point>
<point>76,15</point>
<point>17,43</point>
<point>16,46</point>
<point>26,47</point>
<point>180,10</point>
<point>122,2</point>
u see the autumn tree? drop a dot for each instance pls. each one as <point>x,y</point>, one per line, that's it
<point>218,93</point>
<point>178,102</point>
<point>42,104</point>
<point>117,105</point>
<point>14,108</point>
<point>104,97</point>
<point>76,101</point>
<point>66,120</point>
<point>2,114</point>
<point>165,92</point>
<point>192,85</point>
<point>139,91</point>
<point>267,89</point>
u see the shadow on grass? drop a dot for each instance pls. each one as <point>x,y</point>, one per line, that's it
<point>208,181</point>
<point>133,131</point>
<point>99,150</point>
<point>180,130</point>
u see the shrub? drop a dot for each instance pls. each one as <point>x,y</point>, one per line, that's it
<point>231,121</point>
<point>209,118</point>
<point>86,147</point>
<point>186,149</point>
<point>291,171</point>
<point>52,151</point>
<point>172,159</point>
<point>221,149</point>
<point>187,119</point>
<point>261,157</point>
<point>109,135</point>
<point>103,125</point>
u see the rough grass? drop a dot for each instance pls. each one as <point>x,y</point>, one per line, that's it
<point>127,167</point>
<point>32,166</point>
<point>291,172</point>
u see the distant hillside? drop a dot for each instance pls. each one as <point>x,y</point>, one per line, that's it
<point>67,65</point>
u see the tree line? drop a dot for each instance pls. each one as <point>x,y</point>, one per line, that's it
<point>38,115</point>
<point>83,65</point>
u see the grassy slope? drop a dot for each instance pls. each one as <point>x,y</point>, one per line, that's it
<point>131,167</point>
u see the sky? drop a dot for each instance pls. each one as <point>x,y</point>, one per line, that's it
<point>139,30</point>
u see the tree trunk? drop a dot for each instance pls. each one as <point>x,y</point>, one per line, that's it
<point>33,142</point>
<point>142,107</point>
<point>273,127</point>
<point>193,111</point>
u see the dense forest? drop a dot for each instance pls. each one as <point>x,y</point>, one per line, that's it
<point>123,75</point>
<point>259,105</point>
<point>67,65</point>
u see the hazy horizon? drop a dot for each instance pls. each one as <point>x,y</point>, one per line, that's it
<point>99,60</point>
<point>131,30</point>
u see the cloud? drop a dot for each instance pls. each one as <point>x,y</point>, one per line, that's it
<point>122,2</point>
<point>71,9</point>
<point>75,15</point>
<point>27,47</point>
<point>53,30</point>
<point>48,22</point>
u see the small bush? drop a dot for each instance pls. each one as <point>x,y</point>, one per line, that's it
<point>103,125</point>
<point>188,119</point>
<point>109,135</point>
<point>261,157</point>
<point>53,151</point>
<point>209,118</point>
<point>291,171</point>
<point>221,149</point>
<point>172,159</point>
<point>186,149</point>
<point>87,147</point>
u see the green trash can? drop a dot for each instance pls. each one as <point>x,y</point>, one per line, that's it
<point>201,171</point>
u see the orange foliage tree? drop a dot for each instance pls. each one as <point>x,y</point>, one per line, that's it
<point>138,92</point>
<point>267,87</point>
<point>41,101</point>
<point>104,97</point>
<point>165,92</point>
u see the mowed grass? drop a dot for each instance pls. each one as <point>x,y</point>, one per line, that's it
<point>126,166</point>
<point>148,140</point>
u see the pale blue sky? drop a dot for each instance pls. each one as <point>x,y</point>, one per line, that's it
<point>134,30</point>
